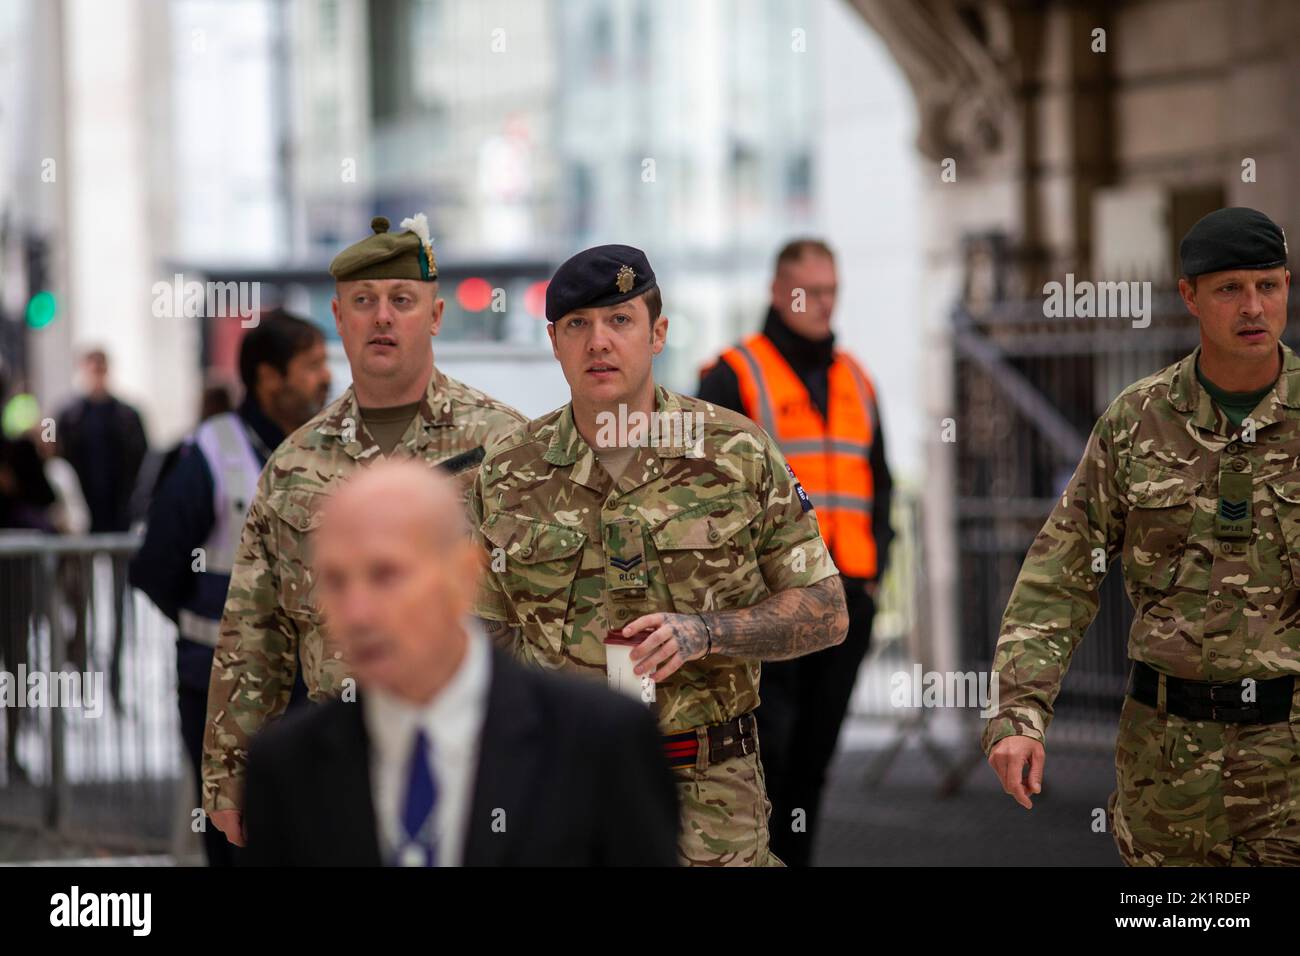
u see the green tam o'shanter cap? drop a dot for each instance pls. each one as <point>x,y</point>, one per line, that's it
<point>389,255</point>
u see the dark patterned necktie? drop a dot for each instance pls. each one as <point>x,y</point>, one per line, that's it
<point>419,843</point>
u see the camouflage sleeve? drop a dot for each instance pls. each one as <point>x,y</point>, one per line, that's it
<point>255,661</point>
<point>490,600</point>
<point>1055,596</point>
<point>791,552</point>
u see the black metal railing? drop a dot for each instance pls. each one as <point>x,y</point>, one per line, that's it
<point>91,748</point>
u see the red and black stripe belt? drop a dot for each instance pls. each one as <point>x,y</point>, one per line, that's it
<point>733,738</point>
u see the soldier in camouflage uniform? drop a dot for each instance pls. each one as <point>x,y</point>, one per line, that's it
<point>1192,477</point>
<point>698,536</point>
<point>386,308</point>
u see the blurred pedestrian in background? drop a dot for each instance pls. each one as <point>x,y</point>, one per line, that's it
<point>25,500</point>
<point>26,495</point>
<point>198,512</point>
<point>104,440</point>
<point>216,399</point>
<point>820,406</point>
<point>67,514</point>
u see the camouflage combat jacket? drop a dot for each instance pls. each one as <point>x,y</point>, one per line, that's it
<point>270,620</point>
<point>1211,562</point>
<point>711,525</point>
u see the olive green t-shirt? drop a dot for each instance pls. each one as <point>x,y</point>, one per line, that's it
<point>387,425</point>
<point>615,460</point>
<point>1235,405</point>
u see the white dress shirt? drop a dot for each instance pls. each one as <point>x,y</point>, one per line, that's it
<point>453,723</point>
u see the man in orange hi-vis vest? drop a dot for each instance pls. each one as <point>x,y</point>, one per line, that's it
<point>820,406</point>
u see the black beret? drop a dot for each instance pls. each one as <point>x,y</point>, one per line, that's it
<point>601,275</point>
<point>1232,238</point>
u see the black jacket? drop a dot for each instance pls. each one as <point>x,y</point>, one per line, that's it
<point>104,441</point>
<point>27,502</point>
<point>811,361</point>
<point>577,770</point>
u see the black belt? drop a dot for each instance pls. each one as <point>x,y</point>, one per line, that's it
<point>1202,700</point>
<point>734,738</point>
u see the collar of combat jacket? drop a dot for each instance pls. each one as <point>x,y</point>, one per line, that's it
<point>568,447</point>
<point>345,422</point>
<point>1188,395</point>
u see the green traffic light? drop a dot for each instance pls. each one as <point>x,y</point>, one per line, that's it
<point>41,309</point>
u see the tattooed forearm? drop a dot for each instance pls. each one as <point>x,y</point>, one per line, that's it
<point>504,635</point>
<point>787,624</point>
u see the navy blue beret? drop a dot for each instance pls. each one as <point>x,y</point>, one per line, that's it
<point>601,275</point>
<point>1232,238</point>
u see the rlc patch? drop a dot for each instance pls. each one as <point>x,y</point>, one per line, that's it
<point>798,489</point>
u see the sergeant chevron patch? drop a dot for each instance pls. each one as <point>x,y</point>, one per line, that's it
<point>1234,510</point>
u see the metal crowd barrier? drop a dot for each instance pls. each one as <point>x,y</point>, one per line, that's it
<point>90,728</point>
<point>896,630</point>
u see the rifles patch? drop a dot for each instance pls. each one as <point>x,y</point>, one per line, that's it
<point>1233,519</point>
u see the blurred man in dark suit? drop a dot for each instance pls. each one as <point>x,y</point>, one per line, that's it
<point>103,438</point>
<point>452,754</point>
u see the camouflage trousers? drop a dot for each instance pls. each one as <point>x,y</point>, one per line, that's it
<point>724,814</point>
<point>1204,793</point>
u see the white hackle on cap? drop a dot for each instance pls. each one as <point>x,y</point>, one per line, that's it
<point>418,224</point>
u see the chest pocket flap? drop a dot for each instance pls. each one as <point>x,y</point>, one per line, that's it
<point>530,541</point>
<point>1153,486</point>
<point>1162,510</point>
<point>707,525</point>
<point>541,564</point>
<point>707,556</point>
<point>300,510</point>
<point>1287,489</point>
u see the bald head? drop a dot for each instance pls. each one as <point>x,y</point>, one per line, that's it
<point>402,496</point>
<point>396,571</point>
